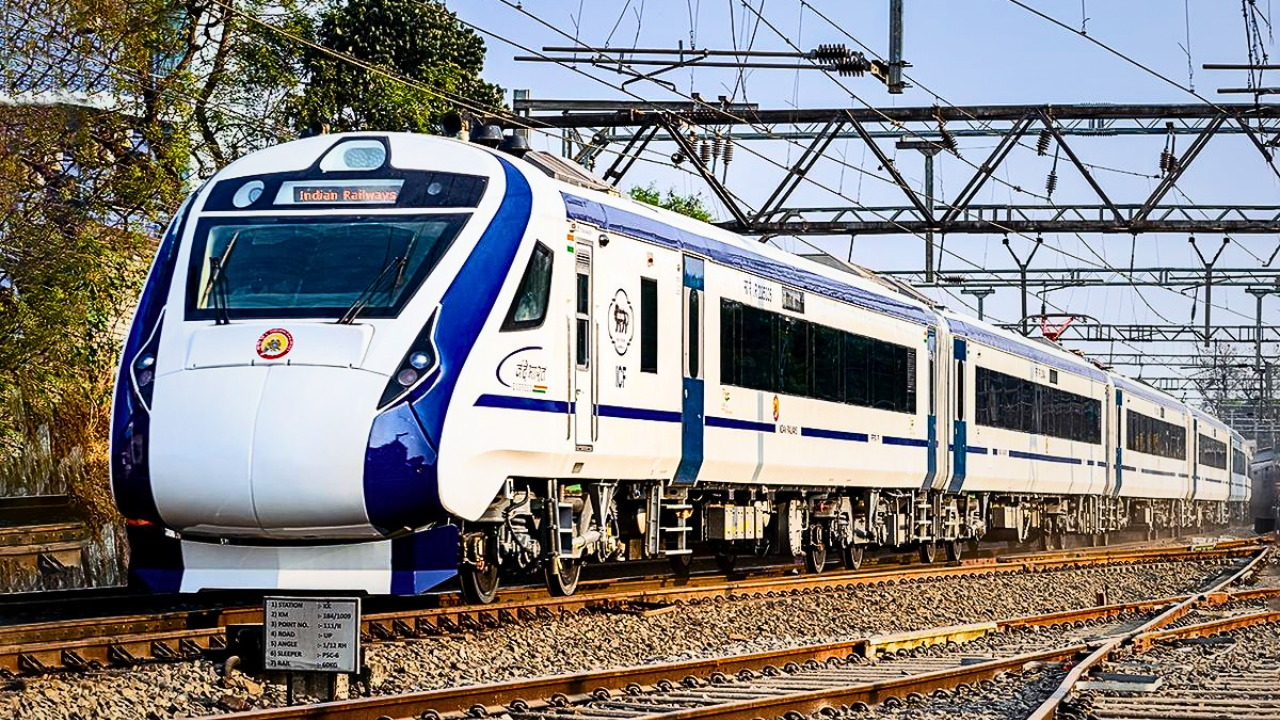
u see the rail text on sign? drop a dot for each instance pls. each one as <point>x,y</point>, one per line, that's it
<point>339,192</point>
<point>312,634</point>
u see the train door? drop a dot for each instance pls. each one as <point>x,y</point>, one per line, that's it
<point>1193,452</point>
<point>939,470</point>
<point>959,428</point>
<point>693,407</point>
<point>584,347</point>
<point>1118,437</point>
<point>1107,420</point>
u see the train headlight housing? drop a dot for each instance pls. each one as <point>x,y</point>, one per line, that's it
<point>142,369</point>
<point>355,155</point>
<point>419,363</point>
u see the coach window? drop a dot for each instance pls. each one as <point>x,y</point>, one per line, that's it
<point>826,363</point>
<point>794,354</point>
<point>758,349</point>
<point>857,370</point>
<point>695,334</point>
<point>529,307</point>
<point>584,320</point>
<point>648,325</point>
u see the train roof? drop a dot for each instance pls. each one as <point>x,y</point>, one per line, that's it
<point>597,204</point>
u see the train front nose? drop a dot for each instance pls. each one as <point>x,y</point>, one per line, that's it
<point>266,450</point>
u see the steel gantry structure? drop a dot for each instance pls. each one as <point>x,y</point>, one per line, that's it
<point>700,135</point>
<point>636,126</point>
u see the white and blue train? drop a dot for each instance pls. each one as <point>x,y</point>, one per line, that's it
<point>370,362</point>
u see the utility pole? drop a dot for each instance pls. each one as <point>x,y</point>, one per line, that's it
<point>1022,278</point>
<point>928,150</point>
<point>981,294</point>
<point>894,80</point>
<point>1263,369</point>
<point>1208,285</point>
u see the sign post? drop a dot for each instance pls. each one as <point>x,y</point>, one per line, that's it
<point>304,634</point>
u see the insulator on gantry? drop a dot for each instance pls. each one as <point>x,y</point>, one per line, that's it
<point>831,53</point>
<point>853,66</point>
<point>1051,182</point>
<point>704,151</point>
<point>1042,143</point>
<point>716,144</point>
<point>948,140</point>
<point>728,149</point>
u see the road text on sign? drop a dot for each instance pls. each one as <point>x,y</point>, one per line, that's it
<point>312,634</point>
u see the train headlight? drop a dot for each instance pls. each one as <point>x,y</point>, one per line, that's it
<point>143,366</point>
<point>143,369</point>
<point>355,155</point>
<point>418,364</point>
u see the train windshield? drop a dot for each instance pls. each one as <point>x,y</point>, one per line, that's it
<point>267,267</point>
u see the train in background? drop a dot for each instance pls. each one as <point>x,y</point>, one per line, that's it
<point>370,362</point>
<point>1265,473</point>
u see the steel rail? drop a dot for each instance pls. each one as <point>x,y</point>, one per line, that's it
<point>710,676</point>
<point>492,699</point>
<point>88,645</point>
<point>1049,708</point>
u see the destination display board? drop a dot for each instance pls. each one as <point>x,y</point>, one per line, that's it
<point>339,192</point>
<point>306,634</point>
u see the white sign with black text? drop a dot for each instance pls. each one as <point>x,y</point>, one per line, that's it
<point>305,634</point>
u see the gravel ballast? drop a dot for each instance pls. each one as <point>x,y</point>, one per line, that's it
<point>597,640</point>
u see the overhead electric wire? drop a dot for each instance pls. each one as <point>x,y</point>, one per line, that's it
<point>1087,245</point>
<point>1003,229</point>
<point>506,116</point>
<point>520,8</point>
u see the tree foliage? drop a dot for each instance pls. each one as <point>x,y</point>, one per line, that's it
<point>91,160</point>
<point>111,111</point>
<point>415,40</point>
<point>692,205</point>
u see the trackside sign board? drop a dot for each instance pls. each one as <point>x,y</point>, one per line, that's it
<point>307,634</point>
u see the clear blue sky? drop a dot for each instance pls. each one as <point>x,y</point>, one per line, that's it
<point>969,52</point>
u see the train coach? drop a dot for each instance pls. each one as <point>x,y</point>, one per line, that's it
<point>371,362</point>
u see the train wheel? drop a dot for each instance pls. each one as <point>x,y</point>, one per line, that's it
<point>681,564</point>
<point>954,550</point>
<point>851,556</point>
<point>562,576</point>
<point>815,557</point>
<point>928,552</point>
<point>479,584</point>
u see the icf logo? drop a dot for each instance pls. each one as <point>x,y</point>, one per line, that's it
<point>619,322</point>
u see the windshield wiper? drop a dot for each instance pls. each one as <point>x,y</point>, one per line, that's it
<point>399,264</point>
<point>366,296</point>
<point>217,283</point>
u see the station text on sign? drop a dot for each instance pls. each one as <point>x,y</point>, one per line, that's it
<point>312,634</point>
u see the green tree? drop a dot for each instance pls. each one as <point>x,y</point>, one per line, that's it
<point>415,40</point>
<point>692,205</point>
<point>94,155</point>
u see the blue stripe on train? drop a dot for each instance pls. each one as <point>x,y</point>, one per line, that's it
<point>401,484</point>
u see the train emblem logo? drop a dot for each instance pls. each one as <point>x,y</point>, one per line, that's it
<point>275,344</point>
<point>619,321</point>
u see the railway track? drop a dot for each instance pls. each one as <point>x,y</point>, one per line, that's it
<point>128,640</point>
<point>826,679</point>
<point>1253,693</point>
